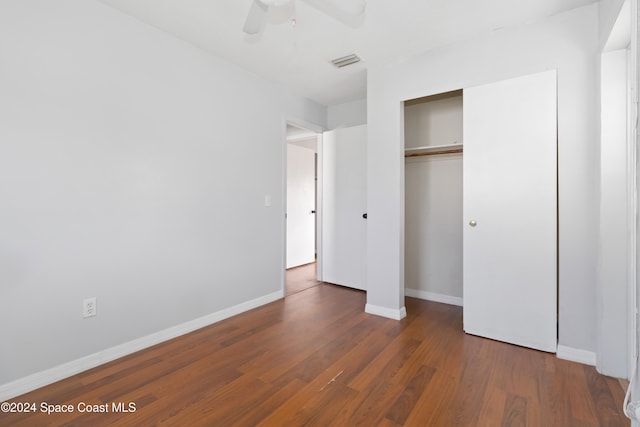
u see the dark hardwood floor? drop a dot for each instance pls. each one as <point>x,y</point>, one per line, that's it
<point>315,358</point>
<point>301,278</point>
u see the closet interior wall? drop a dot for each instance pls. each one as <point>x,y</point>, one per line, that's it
<point>433,197</point>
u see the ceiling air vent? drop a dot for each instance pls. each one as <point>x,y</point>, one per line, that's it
<point>345,60</point>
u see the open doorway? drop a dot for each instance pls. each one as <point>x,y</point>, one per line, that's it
<point>301,213</point>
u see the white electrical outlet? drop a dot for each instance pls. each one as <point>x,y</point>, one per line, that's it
<point>89,307</point>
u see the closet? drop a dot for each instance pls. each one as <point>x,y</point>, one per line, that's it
<point>433,197</point>
<point>484,230</point>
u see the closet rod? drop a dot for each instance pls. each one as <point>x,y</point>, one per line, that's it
<point>435,153</point>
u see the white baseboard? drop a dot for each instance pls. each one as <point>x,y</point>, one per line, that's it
<point>432,296</point>
<point>46,377</point>
<point>386,312</point>
<point>576,355</point>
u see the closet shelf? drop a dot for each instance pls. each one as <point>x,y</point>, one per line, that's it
<point>433,150</point>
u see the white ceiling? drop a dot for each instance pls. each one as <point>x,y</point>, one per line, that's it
<point>620,36</point>
<point>298,58</point>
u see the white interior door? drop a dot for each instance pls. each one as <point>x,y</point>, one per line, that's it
<point>343,206</point>
<point>510,211</point>
<point>301,205</point>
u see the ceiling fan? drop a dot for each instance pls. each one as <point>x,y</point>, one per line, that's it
<point>345,11</point>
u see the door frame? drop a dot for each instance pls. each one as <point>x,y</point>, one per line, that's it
<point>435,91</point>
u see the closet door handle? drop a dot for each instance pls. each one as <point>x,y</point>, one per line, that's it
<point>473,223</point>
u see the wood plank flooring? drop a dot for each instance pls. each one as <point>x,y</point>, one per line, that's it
<point>301,278</point>
<point>316,359</point>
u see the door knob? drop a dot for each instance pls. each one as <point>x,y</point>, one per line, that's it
<point>473,223</point>
<point>364,215</point>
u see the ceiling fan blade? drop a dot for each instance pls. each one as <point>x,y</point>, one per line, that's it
<point>256,18</point>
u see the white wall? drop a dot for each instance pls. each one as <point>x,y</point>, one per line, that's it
<point>566,42</point>
<point>347,115</point>
<point>613,265</point>
<point>134,168</point>
<point>433,239</point>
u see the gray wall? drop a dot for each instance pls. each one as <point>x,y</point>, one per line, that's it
<point>134,169</point>
<point>347,115</point>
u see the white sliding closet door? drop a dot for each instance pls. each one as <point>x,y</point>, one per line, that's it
<point>344,201</point>
<point>510,211</point>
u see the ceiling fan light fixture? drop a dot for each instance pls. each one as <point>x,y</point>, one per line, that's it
<point>346,60</point>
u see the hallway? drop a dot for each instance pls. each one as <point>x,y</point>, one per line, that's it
<point>301,278</point>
